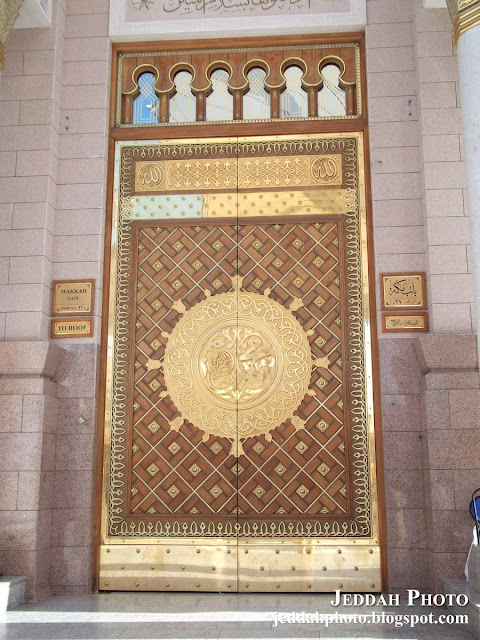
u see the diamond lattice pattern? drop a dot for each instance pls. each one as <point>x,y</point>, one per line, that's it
<point>300,472</point>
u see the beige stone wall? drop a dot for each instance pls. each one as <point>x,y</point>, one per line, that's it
<point>54,101</point>
<point>420,223</point>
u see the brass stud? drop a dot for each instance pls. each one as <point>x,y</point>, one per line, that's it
<point>198,584</point>
<point>138,550</point>
<point>213,568</point>
<point>183,568</point>
<point>277,586</point>
<point>198,550</point>
<point>152,568</point>
<point>372,585</point>
<point>137,584</point>
<point>355,568</point>
<point>324,568</point>
<point>108,550</point>
<point>245,551</point>
<point>308,550</point>
<point>339,551</point>
<point>167,584</point>
<point>229,585</point>
<point>292,568</point>
<point>340,586</point>
<point>262,568</point>
<point>229,551</point>
<point>122,567</point>
<point>168,550</point>
<point>277,551</point>
<point>309,586</point>
<point>370,551</point>
<point>247,585</point>
<point>107,583</point>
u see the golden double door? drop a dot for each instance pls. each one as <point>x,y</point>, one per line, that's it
<point>239,426</point>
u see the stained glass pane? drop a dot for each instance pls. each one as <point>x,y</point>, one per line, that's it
<point>220,101</point>
<point>183,103</point>
<point>331,99</point>
<point>294,100</point>
<point>145,107</point>
<point>256,103</point>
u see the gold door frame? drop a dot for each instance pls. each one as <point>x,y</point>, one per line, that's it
<point>138,560</point>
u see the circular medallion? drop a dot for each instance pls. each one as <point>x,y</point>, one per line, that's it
<point>237,365</point>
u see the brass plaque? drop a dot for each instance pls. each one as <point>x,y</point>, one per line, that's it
<point>71,328</point>
<point>73,297</point>
<point>403,290</point>
<point>417,321</point>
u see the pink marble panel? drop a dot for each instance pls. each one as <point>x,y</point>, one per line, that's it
<point>11,408</point>
<point>438,95</point>
<point>398,358</point>
<point>76,415</point>
<point>439,69</point>
<point>73,490</point>
<point>391,59</point>
<point>404,489</point>
<point>8,490</point>
<point>437,409</point>
<point>74,452</point>
<point>441,148</point>
<point>86,26</point>
<point>442,121</point>
<point>394,34</point>
<point>391,83</point>
<point>464,455</point>
<point>394,134</point>
<point>452,318</point>
<point>86,49</point>
<point>401,412</point>
<point>18,530</point>
<point>71,527</point>
<point>403,450</point>
<point>464,408</point>
<point>441,489</point>
<point>406,529</point>
<point>428,20</point>
<point>393,109</point>
<point>465,482</point>
<point>70,566</point>
<point>408,569</point>
<point>397,160</point>
<point>35,490</point>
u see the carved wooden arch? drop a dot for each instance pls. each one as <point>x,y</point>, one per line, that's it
<point>310,54</point>
<point>343,83</point>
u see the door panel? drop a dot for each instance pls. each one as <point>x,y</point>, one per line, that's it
<point>239,422</point>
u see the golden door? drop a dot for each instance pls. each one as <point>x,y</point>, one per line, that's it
<point>239,437</point>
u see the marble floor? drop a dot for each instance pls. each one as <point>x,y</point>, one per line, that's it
<point>188,616</point>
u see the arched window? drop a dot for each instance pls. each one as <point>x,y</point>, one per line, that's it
<point>145,107</point>
<point>183,103</point>
<point>256,102</point>
<point>331,99</point>
<point>220,101</point>
<point>294,100</point>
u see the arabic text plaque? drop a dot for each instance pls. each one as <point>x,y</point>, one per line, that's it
<point>73,297</point>
<point>403,291</point>
<point>401,322</point>
<point>71,328</point>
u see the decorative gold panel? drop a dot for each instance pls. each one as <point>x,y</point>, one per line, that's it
<point>220,174</point>
<point>239,400</point>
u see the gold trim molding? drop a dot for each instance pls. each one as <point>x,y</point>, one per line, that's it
<point>465,15</point>
<point>8,12</point>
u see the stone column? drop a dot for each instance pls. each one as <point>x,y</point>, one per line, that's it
<point>466,14</point>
